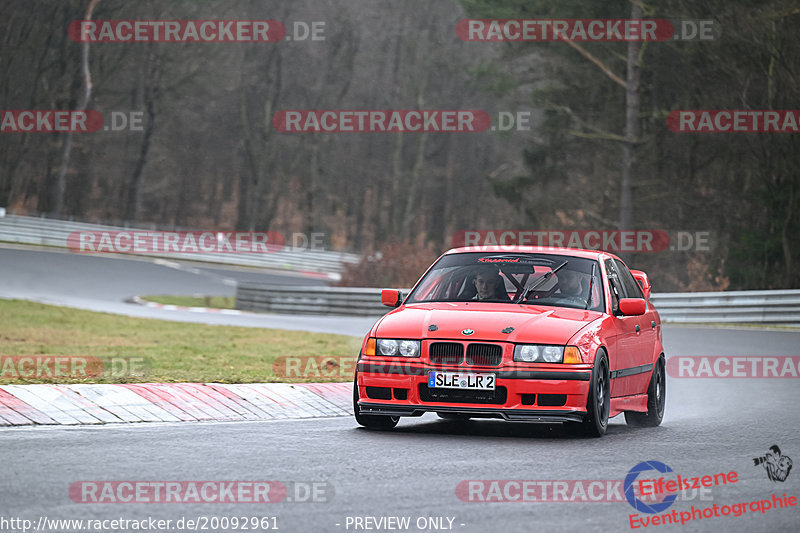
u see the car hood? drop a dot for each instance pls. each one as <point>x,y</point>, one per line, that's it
<point>531,323</point>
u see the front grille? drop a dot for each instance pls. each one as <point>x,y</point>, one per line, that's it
<point>497,396</point>
<point>446,353</point>
<point>484,354</point>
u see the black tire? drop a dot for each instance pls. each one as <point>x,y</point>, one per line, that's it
<point>454,416</point>
<point>656,400</point>
<point>371,421</point>
<point>595,422</point>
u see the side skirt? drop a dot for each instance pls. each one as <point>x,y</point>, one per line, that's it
<point>637,402</point>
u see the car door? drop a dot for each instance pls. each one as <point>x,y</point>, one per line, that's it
<point>641,345</point>
<point>621,345</point>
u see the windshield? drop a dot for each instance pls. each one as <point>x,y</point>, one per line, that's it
<point>530,278</point>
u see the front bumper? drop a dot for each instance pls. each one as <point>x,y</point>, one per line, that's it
<point>535,393</point>
<point>526,415</point>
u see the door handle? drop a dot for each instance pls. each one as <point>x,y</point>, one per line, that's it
<point>638,329</point>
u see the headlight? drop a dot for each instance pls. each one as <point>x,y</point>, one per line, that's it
<point>538,353</point>
<point>409,348</point>
<point>552,354</point>
<point>387,347</point>
<point>396,347</point>
<point>526,353</point>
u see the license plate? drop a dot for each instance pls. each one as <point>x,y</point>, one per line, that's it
<point>460,380</point>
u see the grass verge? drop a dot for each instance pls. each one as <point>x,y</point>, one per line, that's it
<point>172,351</point>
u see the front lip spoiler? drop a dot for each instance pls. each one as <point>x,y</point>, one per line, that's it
<point>526,415</point>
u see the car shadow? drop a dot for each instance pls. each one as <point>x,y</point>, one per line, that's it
<point>495,428</point>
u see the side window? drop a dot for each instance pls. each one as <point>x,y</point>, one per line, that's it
<point>614,285</point>
<point>630,286</point>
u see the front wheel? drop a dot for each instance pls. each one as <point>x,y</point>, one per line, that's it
<point>371,421</point>
<point>597,405</point>
<point>656,400</point>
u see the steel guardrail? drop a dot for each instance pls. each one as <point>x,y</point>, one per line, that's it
<point>760,307</point>
<point>53,232</point>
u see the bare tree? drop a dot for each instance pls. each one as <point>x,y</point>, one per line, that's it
<point>86,94</point>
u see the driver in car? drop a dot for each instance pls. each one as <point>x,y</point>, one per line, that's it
<point>489,285</point>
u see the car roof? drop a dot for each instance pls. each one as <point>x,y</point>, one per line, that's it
<point>574,252</point>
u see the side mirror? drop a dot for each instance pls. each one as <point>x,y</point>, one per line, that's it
<point>632,306</point>
<point>391,297</point>
<point>644,283</point>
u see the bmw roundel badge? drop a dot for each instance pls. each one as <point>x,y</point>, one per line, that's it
<point>467,332</point>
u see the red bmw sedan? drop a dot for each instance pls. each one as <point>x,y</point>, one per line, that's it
<point>518,333</point>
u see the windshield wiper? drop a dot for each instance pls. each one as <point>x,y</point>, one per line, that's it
<point>541,280</point>
<point>591,284</point>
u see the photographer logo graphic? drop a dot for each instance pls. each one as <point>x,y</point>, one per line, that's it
<point>630,484</point>
<point>777,466</point>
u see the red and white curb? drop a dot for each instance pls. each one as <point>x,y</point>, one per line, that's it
<point>329,276</point>
<point>170,402</point>
<point>170,307</point>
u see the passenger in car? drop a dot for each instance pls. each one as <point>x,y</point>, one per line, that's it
<point>574,284</point>
<point>571,283</point>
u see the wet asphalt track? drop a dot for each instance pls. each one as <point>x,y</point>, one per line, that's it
<point>102,283</point>
<point>711,426</point>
